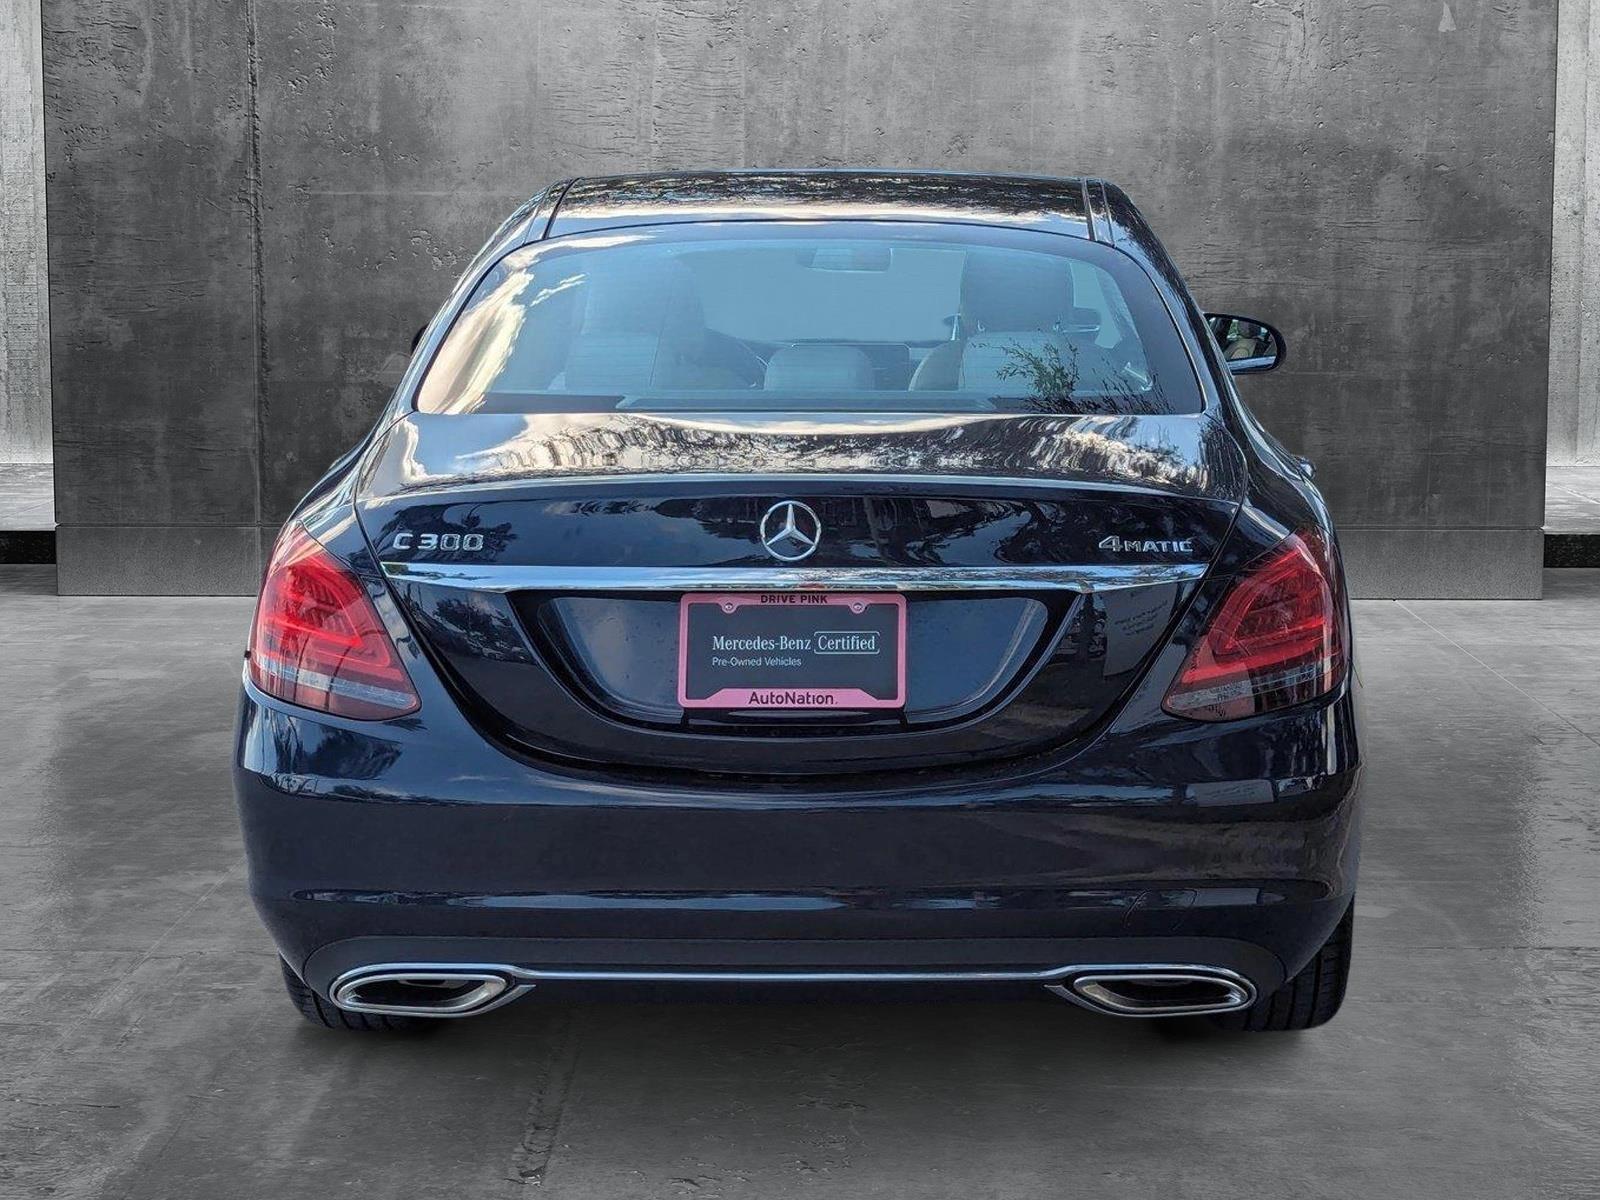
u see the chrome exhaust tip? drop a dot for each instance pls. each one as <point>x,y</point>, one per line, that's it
<point>399,991</point>
<point>1159,991</point>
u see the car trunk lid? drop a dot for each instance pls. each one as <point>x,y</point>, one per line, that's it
<point>1043,559</point>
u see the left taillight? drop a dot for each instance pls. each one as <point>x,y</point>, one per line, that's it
<point>319,642</point>
<point>1277,638</point>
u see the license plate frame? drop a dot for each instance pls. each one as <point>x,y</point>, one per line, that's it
<point>849,632</point>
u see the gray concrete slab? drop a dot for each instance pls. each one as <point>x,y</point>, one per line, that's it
<point>148,1050</point>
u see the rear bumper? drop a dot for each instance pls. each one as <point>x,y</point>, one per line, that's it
<point>393,843</point>
<point>557,963</point>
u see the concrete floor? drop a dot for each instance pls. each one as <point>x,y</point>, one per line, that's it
<point>148,1051</point>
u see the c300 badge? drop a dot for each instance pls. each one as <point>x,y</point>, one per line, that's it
<point>448,542</point>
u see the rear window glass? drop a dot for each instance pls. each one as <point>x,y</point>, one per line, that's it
<point>842,316</point>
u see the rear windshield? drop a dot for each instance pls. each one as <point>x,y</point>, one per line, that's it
<point>809,317</point>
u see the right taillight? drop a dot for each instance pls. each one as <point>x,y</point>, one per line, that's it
<point>319,642</point>
<point>1276,639</point>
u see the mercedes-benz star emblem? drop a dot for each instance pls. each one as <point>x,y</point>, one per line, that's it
<point>790,531</point>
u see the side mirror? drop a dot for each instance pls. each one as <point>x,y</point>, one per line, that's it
<point>416,338</point>
<point>1248,346</point>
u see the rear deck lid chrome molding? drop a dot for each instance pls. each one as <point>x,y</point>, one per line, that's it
<point>497,577</point>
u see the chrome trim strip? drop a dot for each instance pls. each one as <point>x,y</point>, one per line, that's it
<point>328,683</point>
<point>1247,366</point>
<point>578,975</point>
<point>499,577</point>
<point>1056,979</point>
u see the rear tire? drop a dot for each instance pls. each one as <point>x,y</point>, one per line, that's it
<point>1311,998</point>
<point>330,1016</point>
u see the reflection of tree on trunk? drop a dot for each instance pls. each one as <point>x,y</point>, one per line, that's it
<point>474,625</point>
<point>317,750</point>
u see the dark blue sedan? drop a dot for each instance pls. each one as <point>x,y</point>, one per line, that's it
<point>779,577</point>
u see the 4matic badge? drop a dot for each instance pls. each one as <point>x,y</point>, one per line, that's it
<point>1122,545</point>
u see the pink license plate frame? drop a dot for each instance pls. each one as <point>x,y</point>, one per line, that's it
<point>784,696</point>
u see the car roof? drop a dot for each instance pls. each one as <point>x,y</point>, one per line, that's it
<point>1053,205</point>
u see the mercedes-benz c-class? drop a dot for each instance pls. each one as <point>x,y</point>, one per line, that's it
<point>780,577</point>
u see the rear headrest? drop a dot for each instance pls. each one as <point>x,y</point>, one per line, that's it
<point>639,325</point>
<point>1002,291</point>
<point>1082,323</point>
<point>612,362</point>
<point>657,298</point>
<point>801,368</point>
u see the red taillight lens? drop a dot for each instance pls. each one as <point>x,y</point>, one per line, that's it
<point>1277,639</point>
<point>318,641</point>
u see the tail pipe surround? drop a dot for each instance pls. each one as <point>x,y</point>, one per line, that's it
<point>1157,991</point>
<point>443,990</point>
<point>424,992</point>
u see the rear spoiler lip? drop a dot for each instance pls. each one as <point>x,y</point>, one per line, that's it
<point>536,483</point>
<point>1186,455</point>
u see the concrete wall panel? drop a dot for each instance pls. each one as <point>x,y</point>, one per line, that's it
<point>1575,265</point>
<point>152,281</point>
<point>24,317</point>
<point>1375,178</point>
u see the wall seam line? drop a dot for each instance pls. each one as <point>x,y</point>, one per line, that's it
<point>258,280</point>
